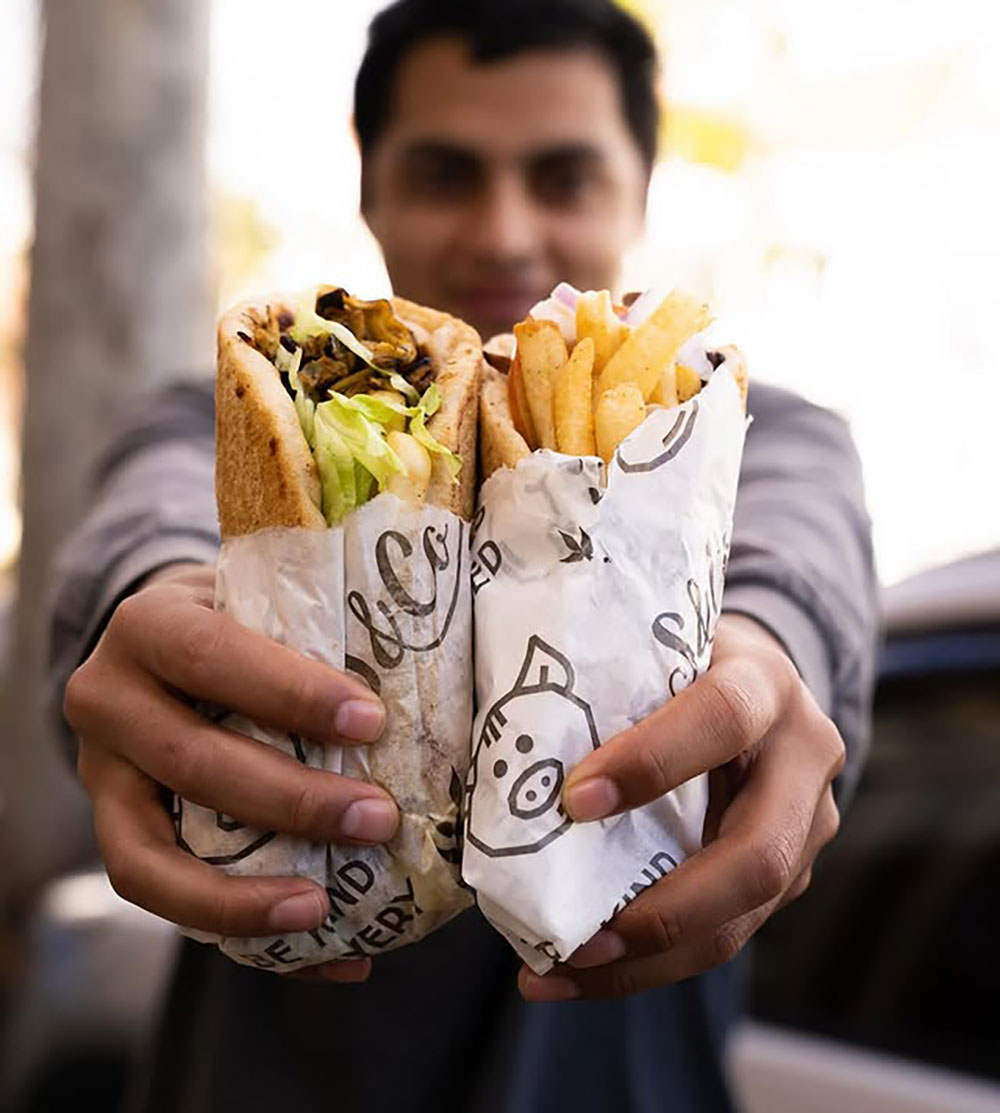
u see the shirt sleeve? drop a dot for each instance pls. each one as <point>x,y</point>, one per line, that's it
<point>801,559</point>
<point>154,505</point>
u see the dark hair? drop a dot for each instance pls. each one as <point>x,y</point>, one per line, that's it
<point>496,29</point>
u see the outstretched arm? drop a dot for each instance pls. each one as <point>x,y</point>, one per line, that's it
<point>777,721</point>
<point>136,642</point>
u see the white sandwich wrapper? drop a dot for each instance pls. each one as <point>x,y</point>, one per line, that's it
<point>593,604</point>
<point>386,595</point>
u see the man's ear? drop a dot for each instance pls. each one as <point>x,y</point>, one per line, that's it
<point>364,196</point>
<point>643,204</point>
<point>364,191</point>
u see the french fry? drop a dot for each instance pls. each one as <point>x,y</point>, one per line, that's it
<point>666,390</point>
<point>596,320</point>
<point>541,351</point>
<point>688,382</point>
<point>655,343</point>
<point>571,404</point>
<point>619,410</point>
<point>397,423</point>
<point>520,414</point>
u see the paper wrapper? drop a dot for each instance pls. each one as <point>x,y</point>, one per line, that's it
<point>592,607</point>
<point>387,596</point>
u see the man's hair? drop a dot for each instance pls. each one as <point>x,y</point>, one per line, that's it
<point>497,29</point>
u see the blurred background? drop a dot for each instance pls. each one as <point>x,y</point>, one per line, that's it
<point>828,178</point>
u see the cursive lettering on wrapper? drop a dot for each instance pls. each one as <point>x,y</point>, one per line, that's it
<point>389,643</point>
<point>706,605</point>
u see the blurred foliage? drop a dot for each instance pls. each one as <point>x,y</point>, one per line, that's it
<point>763,95</point>
<point>706,136</point>
<point>650,12</point>
<point>242,240</point>
<point>709,137</point>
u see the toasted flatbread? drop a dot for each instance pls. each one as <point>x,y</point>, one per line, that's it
<point>500,444</point>
<point>733,358</point>
<point>265,473</point>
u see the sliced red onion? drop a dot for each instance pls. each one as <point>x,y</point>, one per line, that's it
<point>643,307</point>
<point>693,354</point>
<point>560,308</point>
<point>567,294</point>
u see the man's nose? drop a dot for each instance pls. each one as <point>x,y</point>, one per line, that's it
<point>505,224</point>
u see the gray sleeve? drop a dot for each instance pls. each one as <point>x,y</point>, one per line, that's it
<point>154,505</point>
<point>801,560</point>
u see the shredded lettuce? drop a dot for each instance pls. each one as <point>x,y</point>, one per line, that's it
<point>364,481</point>
<point>337,473</point>
<point>288,362</point>
<point>351,453</point>
<point>349,340</point>
<point>347,435</point>
<point>427,407</point>
<point>352,431</point>
<point>431,401</point>
<point>381,411</point>
<point>407,389</point>
<point>308,323</point>
<point>364,438</point>
<point>305,407</point>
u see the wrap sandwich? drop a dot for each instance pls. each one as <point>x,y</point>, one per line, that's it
<point>346,439</point>
<point>611,439</point>
<point>295,379</point>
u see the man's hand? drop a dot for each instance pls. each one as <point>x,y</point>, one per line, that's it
<point>772,756</point>
<point>130,705</point>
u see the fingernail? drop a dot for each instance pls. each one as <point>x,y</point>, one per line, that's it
<point>552,987</point>
<point>604,947</point>
<point>593,798</point>
<point>299,913</point>
<point>361,720</point>
<point>370,820</point>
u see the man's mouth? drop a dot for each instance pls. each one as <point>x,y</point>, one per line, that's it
<point>499,306</point>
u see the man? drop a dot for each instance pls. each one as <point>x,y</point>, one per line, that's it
<point>496,166</point>
<point>504,147</point>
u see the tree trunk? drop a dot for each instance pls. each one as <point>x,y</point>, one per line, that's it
<point>119,301</point>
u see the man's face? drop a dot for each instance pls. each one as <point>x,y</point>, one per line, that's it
<point>493,182</point>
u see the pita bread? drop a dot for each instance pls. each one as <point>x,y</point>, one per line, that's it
<point>265,473</point>
<point>733,358</point>
<point>502,446</point>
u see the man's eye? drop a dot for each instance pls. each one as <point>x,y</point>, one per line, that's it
<point>562,186</point>
<point>441,182</point>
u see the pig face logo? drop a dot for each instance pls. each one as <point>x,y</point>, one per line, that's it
<point>530,737</point>
<point>671,443</point>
